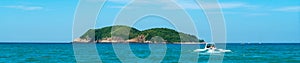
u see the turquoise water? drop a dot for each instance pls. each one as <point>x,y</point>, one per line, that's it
<point>53,53</point>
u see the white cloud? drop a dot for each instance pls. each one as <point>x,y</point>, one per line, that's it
<point>165,4</point>
<point>289,9</point>
<point>115,6</point>
<point>237,5</point>
<point>189,4</point>
<point>212,12</point>
<point>22,7</point>
<point>144,4</point>
<point>118,1</point>
<point>229,5</point>
<point>256,14</point>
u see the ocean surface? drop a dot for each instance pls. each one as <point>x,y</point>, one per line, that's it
<point>64,53</point>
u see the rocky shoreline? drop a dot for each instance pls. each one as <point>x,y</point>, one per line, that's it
<point>131,41</point>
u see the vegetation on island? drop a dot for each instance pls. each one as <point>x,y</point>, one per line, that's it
<point>126,33</point>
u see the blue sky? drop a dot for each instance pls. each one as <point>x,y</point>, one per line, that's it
<point>246,20</point>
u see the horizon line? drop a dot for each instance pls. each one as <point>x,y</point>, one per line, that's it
<point>1,42</point>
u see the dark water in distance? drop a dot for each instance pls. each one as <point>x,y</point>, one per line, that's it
<point>63,53</point>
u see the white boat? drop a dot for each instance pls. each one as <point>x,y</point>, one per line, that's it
<point>210,48</point>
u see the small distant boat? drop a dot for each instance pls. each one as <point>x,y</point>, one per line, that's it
<point>210,48</point>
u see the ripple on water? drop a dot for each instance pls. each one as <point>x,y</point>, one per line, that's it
<point>14,53</point>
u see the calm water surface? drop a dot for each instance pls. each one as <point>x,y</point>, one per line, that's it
<point>53,53</point>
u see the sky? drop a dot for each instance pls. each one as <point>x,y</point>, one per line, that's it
<point>267,21</point>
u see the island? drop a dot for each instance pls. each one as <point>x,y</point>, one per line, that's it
<point>122,33</point>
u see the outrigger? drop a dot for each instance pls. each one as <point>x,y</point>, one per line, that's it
<point>211,48</point>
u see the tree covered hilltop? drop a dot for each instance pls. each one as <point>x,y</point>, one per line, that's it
<point>121,33</point>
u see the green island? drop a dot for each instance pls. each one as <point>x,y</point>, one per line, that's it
<point>122,33</point>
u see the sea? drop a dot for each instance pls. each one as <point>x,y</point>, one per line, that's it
<point>174,53</point>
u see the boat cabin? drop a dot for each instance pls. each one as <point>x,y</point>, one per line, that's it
<point>210,45</point>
